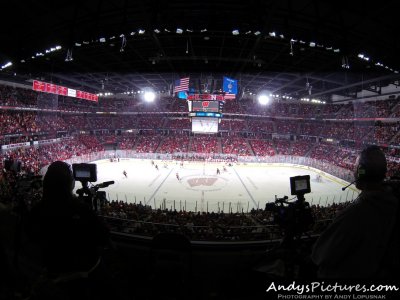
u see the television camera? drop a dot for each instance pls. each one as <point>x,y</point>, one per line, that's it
<point>289,258</point>
<point>294,218</point>
<point>85,173</point>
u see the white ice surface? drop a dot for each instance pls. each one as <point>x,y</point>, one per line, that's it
<point>241,187</point>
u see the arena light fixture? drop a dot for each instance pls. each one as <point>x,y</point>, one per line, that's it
<point>263,99</point>
<point>141,31</point>
<point>149,96</point>
<point>9,64</point>
<point>235,32</point>
<point>257,33</point>
<point>179,31</point>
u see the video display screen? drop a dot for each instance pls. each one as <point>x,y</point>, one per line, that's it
<point>207,106</point>
<point>204,125</point>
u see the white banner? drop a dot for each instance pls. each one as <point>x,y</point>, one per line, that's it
<point>71,92</point>
<point>12,146</point>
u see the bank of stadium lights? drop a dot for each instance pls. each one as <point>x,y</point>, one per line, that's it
<point>263,99</point>
<point>317,101</point>
<point>179,30</point>
<point>141,31</point>
<point>257,33</point>
<point>104,94</point>
<point>52,49</point>
<point>362,56</point>
<point>235,32</point>
<point>149,96</point>
<point>6,65</point>
<point>157,31</point>
<point>272,34</point>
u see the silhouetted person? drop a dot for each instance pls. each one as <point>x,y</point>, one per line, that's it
<point>70,236</point>
<point>362,241</point>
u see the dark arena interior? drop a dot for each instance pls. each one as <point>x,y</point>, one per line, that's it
<point>240,87</point>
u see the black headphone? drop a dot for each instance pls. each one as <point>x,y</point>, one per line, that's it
<point>371,166</point>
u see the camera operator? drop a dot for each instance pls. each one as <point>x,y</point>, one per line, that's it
<point>69,234</point>
<point>362,241</point>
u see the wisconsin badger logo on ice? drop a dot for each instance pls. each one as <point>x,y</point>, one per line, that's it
<point>206,181</point>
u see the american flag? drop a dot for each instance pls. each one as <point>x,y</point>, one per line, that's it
<point>229,96</point>
<point>181,85</point>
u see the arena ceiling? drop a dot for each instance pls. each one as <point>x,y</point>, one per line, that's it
<point>283,46</point>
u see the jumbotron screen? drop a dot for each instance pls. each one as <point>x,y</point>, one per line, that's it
<point>204,125</point>
<point>206,106</point>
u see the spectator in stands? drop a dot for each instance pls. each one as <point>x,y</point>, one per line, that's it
<point>69,236</point>
<point>362,242</point>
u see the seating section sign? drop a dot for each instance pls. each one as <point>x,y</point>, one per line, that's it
<point>51,88</point>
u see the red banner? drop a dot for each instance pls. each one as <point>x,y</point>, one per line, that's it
<point>38,86</point>
<point>209,97</point>
<point>62,90</point>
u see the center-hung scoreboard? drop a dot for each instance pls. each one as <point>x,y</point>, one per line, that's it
<point>205,112</point>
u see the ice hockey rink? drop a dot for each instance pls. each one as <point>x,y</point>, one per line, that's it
<point>199,188</point>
